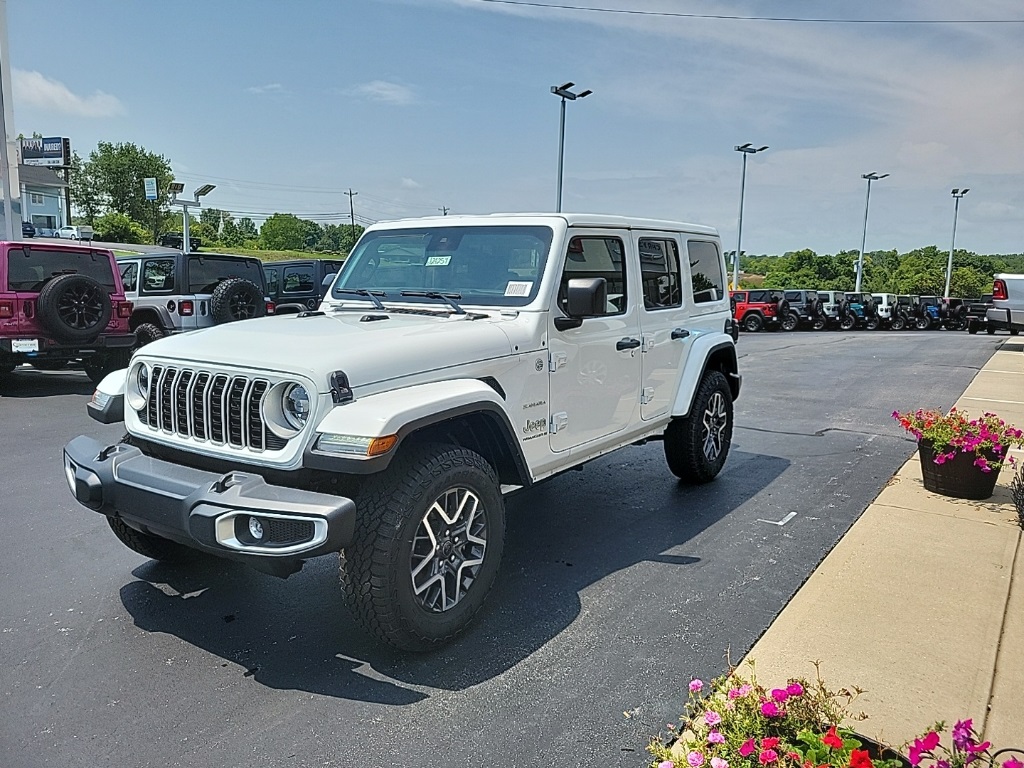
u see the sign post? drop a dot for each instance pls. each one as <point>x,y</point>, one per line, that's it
<point>149,185</point>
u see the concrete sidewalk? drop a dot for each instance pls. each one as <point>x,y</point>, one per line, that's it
<point>922,602</point>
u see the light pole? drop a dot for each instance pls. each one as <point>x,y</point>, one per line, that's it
<point>176,188</point>
<point>863,239</point>
<point>564,92</point>
<point>957,194</point>
<point>746,149</point>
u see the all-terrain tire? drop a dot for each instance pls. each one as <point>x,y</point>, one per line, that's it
<point>236,299</point>
<point>74,308</point>
<point>871,323</point>
<point>753,322</point>
<point>790,321</point>
<point>148,545</point>
<point>923,323</point>
<point>391,547</point>
<point>697,446</point>
<point>847,322</point>
<point>819,323</point>
<point>898,322</point>
<point>147,333</point>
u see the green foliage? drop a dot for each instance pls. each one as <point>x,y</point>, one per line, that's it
<point>283,231</point>
<point>111,180</point>
<point>118,228</point>
<point>203,231</point>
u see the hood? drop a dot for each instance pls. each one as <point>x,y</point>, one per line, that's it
<point>317,346</point>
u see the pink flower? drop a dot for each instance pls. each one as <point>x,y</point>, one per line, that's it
<point>963,733</point>
<point>666,764</point>
<point>745,689</point>
<point>734,693</point>
<point>712,718</point>
<point>795,689</point>
<point>770,709</point>
<point>696,685</point>
<point>747,748</point>
<point>695,759</point>
<point>780,694</point>
<point>767,756</point>
<point>717,762</point>
<point>920,746</point>
<point>1013,762</point>
<point>715,737</point>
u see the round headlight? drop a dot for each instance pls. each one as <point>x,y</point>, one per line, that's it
<point>295,405</point>
<point>137,386</point>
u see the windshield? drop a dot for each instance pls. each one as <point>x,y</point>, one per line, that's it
<point>482,265</point>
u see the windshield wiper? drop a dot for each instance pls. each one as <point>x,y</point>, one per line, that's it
<point>445,297</point>
<point>371,295</point>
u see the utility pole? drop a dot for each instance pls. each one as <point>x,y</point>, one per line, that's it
<point>444,210</point>
<point>352,210</point>
<point>5,79</point>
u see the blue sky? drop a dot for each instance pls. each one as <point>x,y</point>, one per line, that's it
<point>423,104</point>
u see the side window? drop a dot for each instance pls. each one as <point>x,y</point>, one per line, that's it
<point>659,272</point>
<point>130,277</point>
<point>158,276</point>
<point>706,277</point>
<point>758,297</point>
<point>596,256</point>
<point>271,275</point>
<point>297,280</point>
<point>792,295</point>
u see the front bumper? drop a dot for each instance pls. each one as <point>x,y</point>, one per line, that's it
<point>209,511</point>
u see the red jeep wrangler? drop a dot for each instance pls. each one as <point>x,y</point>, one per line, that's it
<point>757,309</point>
<point>60,303</point>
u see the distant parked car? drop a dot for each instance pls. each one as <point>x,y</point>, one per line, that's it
<point>1007,311</point>
<point>75,233</point>
<point>177,240</point>
<point>27,229</point>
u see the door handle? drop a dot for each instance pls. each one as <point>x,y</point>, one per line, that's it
<point>627,343</point>
<point>680,333</point>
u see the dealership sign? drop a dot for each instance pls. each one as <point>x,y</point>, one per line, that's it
<point>53,152</point>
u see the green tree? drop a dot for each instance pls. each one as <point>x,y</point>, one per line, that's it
<point>84,192</point>
<point>247,228</point>
<point>114,175</point>
<point>117,228</point>
<point>283,232</point>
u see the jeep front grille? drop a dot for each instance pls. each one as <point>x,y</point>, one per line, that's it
<point>210,407</point>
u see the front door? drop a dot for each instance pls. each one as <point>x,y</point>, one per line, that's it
<point>594,369</point>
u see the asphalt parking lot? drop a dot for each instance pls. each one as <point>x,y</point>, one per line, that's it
<point>617,587</point>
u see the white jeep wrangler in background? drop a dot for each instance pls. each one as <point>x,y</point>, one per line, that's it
<point>456,359</point>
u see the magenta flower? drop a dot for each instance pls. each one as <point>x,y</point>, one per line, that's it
<point>712,718</point>
<point>666,764</point>
<point>747,748</point>
<point>795,689</point>
<point>695,759</point>
<point>1013,762</point>
<point>745,689</point>
<point>696,685</point>
<point>717,762</point>
<point>963,733</point>
<point>715,737</point>
<point>770,709</point>
<point>734,693</point>
<point>767,756</point>
<point>920,746</point>
<point>779,694</point>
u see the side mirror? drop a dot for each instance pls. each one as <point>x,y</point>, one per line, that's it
<point>587,297</point>
<point>328,279</point>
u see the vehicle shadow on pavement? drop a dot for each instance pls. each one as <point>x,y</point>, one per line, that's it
<point>28,382</point>
<point>562,537</point>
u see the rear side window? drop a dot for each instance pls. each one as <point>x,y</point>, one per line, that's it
<point>659,271</point>
<point>271,275</point>
<point>793,296</point>
<point>205,273</point>
<point>130,276</point>
<point>297,280</point>
<point>706,277</point>
<point>759,297</point>
<point>157,276</point>
<point>30,269</point>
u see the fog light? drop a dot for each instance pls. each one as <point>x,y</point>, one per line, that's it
<point>255,528</point>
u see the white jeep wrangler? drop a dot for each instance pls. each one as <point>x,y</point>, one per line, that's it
<point>456,359</point>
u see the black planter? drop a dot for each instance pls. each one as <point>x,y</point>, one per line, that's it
<point>880,751</point>
<point>957,477</point>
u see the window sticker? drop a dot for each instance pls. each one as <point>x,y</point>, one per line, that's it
<point>519,288</point>
<point>438,261</point>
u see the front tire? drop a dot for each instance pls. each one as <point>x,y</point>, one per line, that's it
<point>697,446</point>
<point>429,536</point>
<point>148,545</point>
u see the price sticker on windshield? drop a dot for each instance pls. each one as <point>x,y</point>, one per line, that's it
<point>518,288</point>
<point>438,261</point>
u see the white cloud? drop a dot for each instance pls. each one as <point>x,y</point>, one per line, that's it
<point>408,183</point>
<point>385,92</point>
<point>35,89</point>
<point>268,88</point>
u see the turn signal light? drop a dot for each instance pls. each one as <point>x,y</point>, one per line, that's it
<point>186,308</point>
<point>381,445</point>
<point>999,291</point>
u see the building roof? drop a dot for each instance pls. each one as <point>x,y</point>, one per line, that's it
<point>38,176</point>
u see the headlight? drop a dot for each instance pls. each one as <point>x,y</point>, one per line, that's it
<point>137,386</point>
<point>295,404</point>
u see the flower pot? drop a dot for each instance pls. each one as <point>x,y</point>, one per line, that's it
<point>881,752</point>
<point>957,477</point>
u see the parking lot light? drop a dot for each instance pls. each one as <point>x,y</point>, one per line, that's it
<point>957,194</point>
<point>864,236</point>
<point>564,92</point>
<point>746,149</point>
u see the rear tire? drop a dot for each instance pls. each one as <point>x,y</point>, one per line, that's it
<point>847,323</point>
<point>429,535</point>
<point>697,446</point>
<point>148,545</point>
<point>898,323</point>
<point>790,321</point>
<point>146,333</point>
<point>753,323</point>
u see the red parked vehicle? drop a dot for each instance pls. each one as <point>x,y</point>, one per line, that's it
<point>60,303</point>
<point>758,308</point>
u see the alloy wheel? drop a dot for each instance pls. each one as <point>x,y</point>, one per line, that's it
<point>714,422</point>
<point>81,307</point>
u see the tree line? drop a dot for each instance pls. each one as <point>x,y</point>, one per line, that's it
<point>107,193</point>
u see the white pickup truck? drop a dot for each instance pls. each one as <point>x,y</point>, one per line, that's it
<point>1007,312</point>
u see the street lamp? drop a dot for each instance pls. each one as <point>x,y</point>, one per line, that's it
<point>176,188</point>
<point>957,194</point>
<point>746,149</point>
<point>564,92</point>
<point>860,259</point>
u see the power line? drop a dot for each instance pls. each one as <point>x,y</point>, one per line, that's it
<point>719,16</point>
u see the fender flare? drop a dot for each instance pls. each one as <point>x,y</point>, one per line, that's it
<point>163,317</point>
<point>409,411</point>
<point>107,403</point>
<point>718,352</point>
<point>291,308</point>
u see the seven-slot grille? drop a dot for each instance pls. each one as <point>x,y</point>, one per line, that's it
<point>212,407</point>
